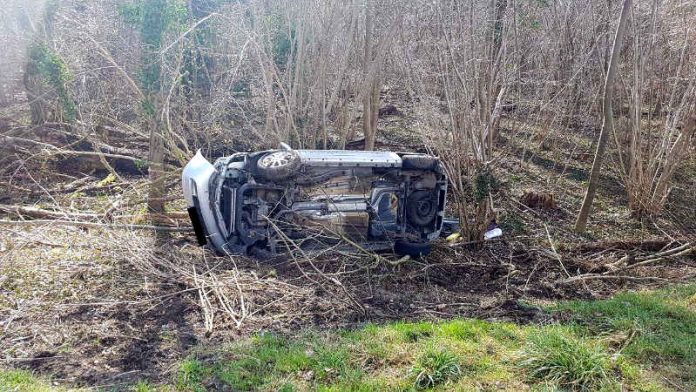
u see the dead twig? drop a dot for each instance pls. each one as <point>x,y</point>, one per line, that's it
<point>555,252</point>
<point>289,242</point>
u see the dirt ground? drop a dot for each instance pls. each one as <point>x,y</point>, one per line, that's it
<point>104,306</point>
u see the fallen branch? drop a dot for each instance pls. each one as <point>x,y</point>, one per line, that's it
<point>460,244</point>
<point>37,222</point>
<point>608,277</point>
<point>683,250</point>
<point>649,245</point>
<point>108,155</point>
<point>620,265</point>
<point>40,213</point>
<point>11,141</point>
<point>34,212</point>
<point>87,189</point>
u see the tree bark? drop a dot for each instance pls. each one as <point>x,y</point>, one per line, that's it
<point>370,82</point>
<point>37,106</point>
<point>371,117</point>
<point>156,191</point>
<point>607,121</point>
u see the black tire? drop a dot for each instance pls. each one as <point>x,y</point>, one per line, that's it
<point>278,165</point>
<point>421,208</point>
<point>419,162</point>
<point>413,249</point>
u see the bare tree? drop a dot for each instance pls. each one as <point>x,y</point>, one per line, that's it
<point>446,73</point>
<point>371,89</point>
<point>655,137</point>
<point>243,75</point>
<point>607,121</point>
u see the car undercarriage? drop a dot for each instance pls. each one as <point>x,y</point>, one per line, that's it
<point>270,202</point>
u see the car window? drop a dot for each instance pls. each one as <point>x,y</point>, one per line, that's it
<point>387,207</point>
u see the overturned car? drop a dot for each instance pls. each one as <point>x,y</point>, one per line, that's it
<point>274,201</point>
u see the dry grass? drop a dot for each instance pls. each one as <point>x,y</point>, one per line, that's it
<point>93,305</point>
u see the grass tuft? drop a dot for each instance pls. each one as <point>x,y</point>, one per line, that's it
<point>142,386</point>
<point>567,362</point>
<point>24,381</point>
<point>190,376</point>
<point>434,368</point>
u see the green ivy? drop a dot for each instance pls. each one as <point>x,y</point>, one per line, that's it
<point>166,15</point>
<point>484,183</point>
<point>196,62</point>
<point>281,38</point>
<point>51,68</point>
<point>148,107</point>
<point>153,18</point>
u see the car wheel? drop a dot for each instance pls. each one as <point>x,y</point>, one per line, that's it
<point>413,249</point>
<point>279,165</point>
<point>421,208</point>
<point>419,162</point>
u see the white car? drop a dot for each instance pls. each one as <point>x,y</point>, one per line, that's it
<point>275,201</point>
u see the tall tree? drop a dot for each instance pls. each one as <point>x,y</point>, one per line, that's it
<point>607,121</point>
<point>152,18</point>
<point>372,81</point>
<point>153,26</point>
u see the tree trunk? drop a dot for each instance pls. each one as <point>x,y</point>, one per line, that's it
<point>369,83</point>
<point>370,120</point>
<point>607,122</point>
<point>37,106</point>
<point>156,191</point>
<point>496,64</point>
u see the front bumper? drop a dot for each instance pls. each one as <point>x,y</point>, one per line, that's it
<point>196,180</point>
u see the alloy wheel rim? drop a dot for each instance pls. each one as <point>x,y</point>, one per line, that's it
<point>276,159</point>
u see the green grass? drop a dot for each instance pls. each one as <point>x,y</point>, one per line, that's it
<point>434,368</point>
<point>657,328</point>
<point>24,381</point>
<point>190,375</point>
<point>559,359</point>
<point>642,341</point>
<point>631,341</point>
